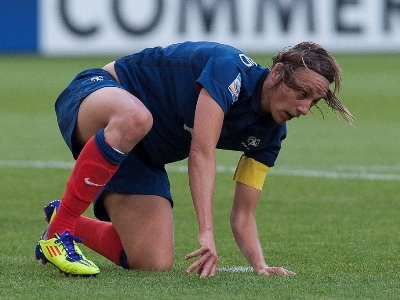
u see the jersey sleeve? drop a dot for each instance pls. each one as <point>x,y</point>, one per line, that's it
<point>267,157</point>
<point>221,77</point>
<point>270,151</point>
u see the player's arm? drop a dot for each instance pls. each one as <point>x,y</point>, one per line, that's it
<point>249,177</point>
<point>202,171</point>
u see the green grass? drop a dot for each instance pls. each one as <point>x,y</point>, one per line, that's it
<point>339,235</point>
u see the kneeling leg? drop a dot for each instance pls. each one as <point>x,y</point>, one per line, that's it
<point>145,226</point>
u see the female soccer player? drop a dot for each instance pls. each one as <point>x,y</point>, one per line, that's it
<point>125,121</point>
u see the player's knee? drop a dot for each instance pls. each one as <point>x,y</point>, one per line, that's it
<point>163,263</point>
<point>127,129</point>
<point>142,122</point>
<point>160,266</point>
<point>136,123</point>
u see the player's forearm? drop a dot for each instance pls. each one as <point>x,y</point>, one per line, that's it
<point>201,170</point>
<point>245,232</point>
<point>244,225</point>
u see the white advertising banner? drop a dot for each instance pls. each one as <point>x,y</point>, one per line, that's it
<point>125,26</point>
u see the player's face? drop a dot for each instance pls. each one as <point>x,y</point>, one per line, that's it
<point>286,103</point>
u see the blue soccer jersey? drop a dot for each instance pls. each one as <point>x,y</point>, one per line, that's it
<point>168,81</point>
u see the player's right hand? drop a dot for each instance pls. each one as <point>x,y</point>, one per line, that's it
<point>206,265</point>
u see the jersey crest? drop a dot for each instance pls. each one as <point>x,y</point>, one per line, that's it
<point>251,141</point>
<point>234,87</point>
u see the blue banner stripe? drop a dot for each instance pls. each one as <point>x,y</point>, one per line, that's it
<point>19,26</point>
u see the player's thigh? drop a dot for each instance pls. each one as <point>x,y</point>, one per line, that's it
<point>106,105</point>
<point>145,226</point>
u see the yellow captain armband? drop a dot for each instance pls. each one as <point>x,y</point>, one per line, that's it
<point>251,172</point>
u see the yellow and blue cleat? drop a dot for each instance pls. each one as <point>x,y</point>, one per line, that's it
<point>63,252</point>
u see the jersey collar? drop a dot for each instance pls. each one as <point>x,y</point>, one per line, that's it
<point>262,117</point>
<point>256,98</point>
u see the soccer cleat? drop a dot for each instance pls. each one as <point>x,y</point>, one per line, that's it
<point>50,210</point>
<point>63,252</point>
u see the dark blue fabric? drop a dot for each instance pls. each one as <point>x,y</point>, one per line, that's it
<point>123,260</point>
<point>113,156</point>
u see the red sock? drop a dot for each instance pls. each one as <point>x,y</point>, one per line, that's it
<point>101,237</point>
<point>91,172</point>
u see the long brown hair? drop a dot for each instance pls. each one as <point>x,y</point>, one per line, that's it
<point>313,57</point>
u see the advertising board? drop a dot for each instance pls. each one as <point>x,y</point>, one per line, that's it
<point>124,26</point>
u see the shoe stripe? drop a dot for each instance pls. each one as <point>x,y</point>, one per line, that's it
<point>50,251</point>
<point>57,250</point>
<point>53,214</point>
<point>53,251</point>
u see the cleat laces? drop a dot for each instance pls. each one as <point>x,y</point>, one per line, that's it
<point>67,242</point>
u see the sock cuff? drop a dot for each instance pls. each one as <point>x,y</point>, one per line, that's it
<point>123,260</point>
<point>111,154</point>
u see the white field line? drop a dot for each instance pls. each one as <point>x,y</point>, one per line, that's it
<point>235,269</point>
<point>33,164</point>
<point>383,173</point>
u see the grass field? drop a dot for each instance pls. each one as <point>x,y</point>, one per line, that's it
<point>329,210</point>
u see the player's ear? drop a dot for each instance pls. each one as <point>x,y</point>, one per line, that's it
<point>276,72</point>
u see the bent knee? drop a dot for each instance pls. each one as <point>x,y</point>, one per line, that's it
<point>126,130</point>
<point>151,265</point>
<point>139,122</point>
<point>146,264</point>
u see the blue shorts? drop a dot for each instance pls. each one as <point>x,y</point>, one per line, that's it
<point>137,174</point>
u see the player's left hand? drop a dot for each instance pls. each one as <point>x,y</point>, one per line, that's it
<point>274,271</point>
<point>206,265</point>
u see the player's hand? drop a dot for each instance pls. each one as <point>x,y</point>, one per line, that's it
<point>274,271</point>
<point>206,265</point>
